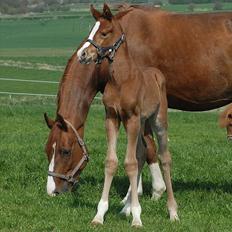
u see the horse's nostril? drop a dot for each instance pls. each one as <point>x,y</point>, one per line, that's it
<point>56,192</point>
<point>83,54</point>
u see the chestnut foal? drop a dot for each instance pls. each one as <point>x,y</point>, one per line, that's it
<point>132,96</point>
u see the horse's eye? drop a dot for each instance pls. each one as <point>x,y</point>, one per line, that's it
<point>65,152</point>
<point>103,34</point>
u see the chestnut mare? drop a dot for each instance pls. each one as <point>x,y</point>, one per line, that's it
<point>132,96</point>
<point>66,157</point>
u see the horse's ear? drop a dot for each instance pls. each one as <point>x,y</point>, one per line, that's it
<point>48,121</point>
<point>61,123</point>
<point>107,12</point>
<point>120,14</point>
<point>95,13</point>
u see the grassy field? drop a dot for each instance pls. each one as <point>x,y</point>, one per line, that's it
<point>201,176</point>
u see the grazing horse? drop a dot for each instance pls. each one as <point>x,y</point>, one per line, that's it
<point>225,121</point>
<point>132,96</point>
<point>67,158</point>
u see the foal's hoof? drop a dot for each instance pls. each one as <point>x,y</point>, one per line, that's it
<point>174,217</point>
<point>157,193</point>
<point>97,221</point>
<point>126,210</point>
<point>136,224</point>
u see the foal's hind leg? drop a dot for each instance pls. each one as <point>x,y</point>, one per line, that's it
<point>165,157</point>
<point>111,163</point>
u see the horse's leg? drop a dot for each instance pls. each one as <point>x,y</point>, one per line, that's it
<point>132,126</point>
<point>141,157</point>
<point>111,163</point>
<point>158,185</point>
<point>139,189</point>
<point>165,156</point>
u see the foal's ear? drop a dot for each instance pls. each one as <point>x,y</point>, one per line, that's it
<point>49,121</point>
<point>61,123</point>
<point>107,12</point>
<point>95,13</point>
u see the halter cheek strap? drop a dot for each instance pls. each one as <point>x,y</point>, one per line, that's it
<point>107,52</point>
<point>85,158</point>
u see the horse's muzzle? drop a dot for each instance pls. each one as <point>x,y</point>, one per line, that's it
<point>229,138</point>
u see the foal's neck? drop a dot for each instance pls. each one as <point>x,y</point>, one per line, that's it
<point>122,64</point>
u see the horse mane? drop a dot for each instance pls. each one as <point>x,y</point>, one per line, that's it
<point>65,74</point>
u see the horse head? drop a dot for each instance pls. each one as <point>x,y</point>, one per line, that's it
<point>67,155</point>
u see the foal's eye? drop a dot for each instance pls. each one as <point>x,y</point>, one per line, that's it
<point>65,152</point>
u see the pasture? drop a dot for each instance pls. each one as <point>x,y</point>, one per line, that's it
<point>202,157</point>
<point>201,176</point>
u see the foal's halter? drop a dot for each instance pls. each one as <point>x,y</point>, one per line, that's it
<point>85,158</point>
<point>107,52</point>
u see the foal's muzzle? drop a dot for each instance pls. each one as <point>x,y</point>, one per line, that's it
<point>229,138</point>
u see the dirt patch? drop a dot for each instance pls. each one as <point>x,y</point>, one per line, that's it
<point>28,65</point>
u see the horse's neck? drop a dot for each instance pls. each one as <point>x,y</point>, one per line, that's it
<point>121,64</point>
<point>76,94</point>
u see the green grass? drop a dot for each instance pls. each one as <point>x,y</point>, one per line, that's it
<point>201,176</point>
<point>52,33</point>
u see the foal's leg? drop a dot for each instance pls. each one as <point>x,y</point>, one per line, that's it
<point>132,125</point>
<point>111,163</point>
<point>165,156</point>
<point>140,155</point>
<point>158,185</point>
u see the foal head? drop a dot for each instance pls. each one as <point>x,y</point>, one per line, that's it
<point>66,156</point>
<point>105,33</point>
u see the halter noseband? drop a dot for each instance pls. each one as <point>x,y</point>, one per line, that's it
<point>70,178</point>
<point>107,52</point>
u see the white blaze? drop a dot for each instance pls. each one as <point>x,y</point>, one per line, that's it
<point>51,186</point>
<point>91,35</point>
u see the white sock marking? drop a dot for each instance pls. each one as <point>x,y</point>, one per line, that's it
<point>158,184</point>
<point>101,210</point>
<point>51,186</point>
<point>91,35</point>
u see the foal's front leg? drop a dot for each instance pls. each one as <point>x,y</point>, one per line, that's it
<point>132,126</point>
<point>111,163</point>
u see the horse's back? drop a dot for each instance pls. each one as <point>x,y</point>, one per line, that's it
<point>194,51</point>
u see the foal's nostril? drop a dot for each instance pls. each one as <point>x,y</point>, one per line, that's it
<point>83,55</point>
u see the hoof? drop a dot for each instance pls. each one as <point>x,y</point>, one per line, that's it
<point>136,224</point>
<point>174,217</point>
<point>157,194</point>
<point>126,210</point>
<point>97,221</point>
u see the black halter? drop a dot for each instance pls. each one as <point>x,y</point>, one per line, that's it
<point>107,52</point>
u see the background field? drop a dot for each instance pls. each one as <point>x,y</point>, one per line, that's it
<point>37,48</point>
